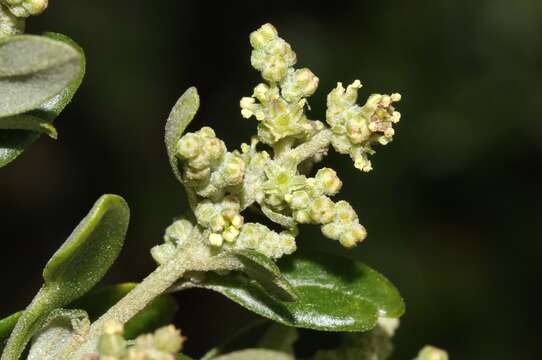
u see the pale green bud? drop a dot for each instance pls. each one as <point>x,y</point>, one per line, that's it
<point>178,231</point>
<point>258,237</point>
<point>357,130</point>
<point>168,339</point>
<point>234,170</point>
<point>9,23</point>
<point>25,8</point>
<point>297,200</point>
<point>432,353</point>
<point>163,252</point>
<point>330,181</point>
<point>111,342</point>
<point>298,84</point>
<point>216,239</point>
<point>271,54</point>
<point>352,235</point>
<point>189,146</point>
<point>322,210</point>
<point>345,213</point>
<point>302,216</point>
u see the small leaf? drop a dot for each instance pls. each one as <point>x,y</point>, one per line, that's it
<point>75,268</point>
<point>334,294</point>
<point>180,116</point>
<point>33,69</point>
<point>59,329</point>
<point>6,326</point>
<point>28,122</point>
<point>14,142</point>
<point>160,312</point>
<point>266,273</point>
<point>252,354</point>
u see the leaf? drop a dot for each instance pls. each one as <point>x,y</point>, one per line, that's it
<point>6,326</point>
<point>75,268</point>
<point>59,329</point>
<point>160,312</point>
<point>334,294</point>
<point>266,273</point>
<point>33,69</point>
<point>252,354</point>
<point>180,116</point>
<point>28,122</point>
<point>14,142</point>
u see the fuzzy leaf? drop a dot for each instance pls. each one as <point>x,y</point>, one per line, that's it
<point>6,326</point>
<point>334,294</point>
<point>180,116</point>
<point>160,312</point>
<point>14,142</point>
<point>264,270</point>
<point>75,268</point>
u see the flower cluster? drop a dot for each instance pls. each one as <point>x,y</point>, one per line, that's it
<point>164,344</point>
<point>222,185</point>
<point>25,8</point>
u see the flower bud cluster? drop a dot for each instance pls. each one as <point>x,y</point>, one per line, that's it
<point>279,105</point>
<point>164,344</point>
<point>356,128</point>
<point>208,167</point>
<point>25,8</point>
<point>271,55</point>
<point>177,234</point>
<point>222,219</point>
<point>9,23</point>
<point>268,242</point>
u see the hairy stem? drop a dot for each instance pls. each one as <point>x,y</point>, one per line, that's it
<point>306,150</point>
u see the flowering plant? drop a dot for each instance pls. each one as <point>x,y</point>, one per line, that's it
<point>273,180</point>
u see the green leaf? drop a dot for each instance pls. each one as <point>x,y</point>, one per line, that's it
<point>14,142</point>
<point>160,312</point>
<point>334,294</point>
<point>180,116</point>
<point>28,122</point>
<point>6,326</point>
<point>33,69</point>
<point>252,354</point>
<point>266,273</point>
<point>75,268</point>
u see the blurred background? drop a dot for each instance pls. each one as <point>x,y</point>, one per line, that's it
<point>453,206</point>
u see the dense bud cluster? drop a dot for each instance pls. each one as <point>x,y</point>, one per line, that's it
<point>356,128</point>
<point>222,184</point>
<point>9,23</point>
<point>164,344</point>
<point>271,55</point>
<point>176,235</point>
<point>25,8</point>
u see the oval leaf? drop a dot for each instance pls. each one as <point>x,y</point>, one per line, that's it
<point>180,116</point>
<point>14,142</point>
<point>264,270</point>
<point>33,69</point>
<point>160,312</point>
<point>75,268</point>
<point>334,294</point>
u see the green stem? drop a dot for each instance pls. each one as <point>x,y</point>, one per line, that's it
<point>31,320</point>
<point>306,150</point>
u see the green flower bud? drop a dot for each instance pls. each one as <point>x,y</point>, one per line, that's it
<point>298,84</point>
<point>322,210</point>
<point>258,237</point>
<point>111,342</point>
<point>25,8</point>
<point>330,181</point>
<point>352,234</point>
<point>297,200</point>
<point>178,231</point>
<point>168,339</point>
<point>345,213</point>
<point>432,353</point>
<point>9,23</point>
<point>162,253</point>
<point>271,55</point>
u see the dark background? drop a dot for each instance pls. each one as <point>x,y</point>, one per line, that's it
<point>452,208</point>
